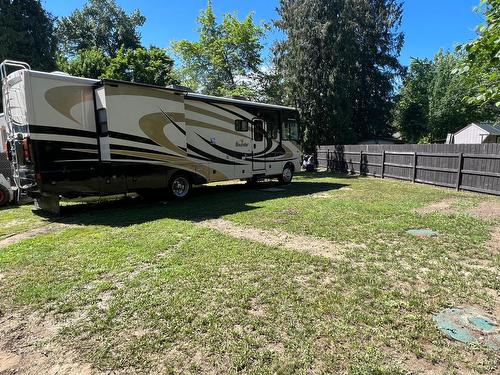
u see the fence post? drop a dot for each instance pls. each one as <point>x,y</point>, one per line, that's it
<point>414,167</point>
<point>360,162</point>
<point>459,170</point>
<point>383,163</point>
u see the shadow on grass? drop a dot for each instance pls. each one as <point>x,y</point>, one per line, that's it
<point>206,202</point>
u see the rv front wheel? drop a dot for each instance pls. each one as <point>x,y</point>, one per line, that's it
<point>287,175</point>
<point>179,186</point>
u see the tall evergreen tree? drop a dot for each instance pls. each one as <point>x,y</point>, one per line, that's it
<point>340,60</point>
<point>27,34</point>
<point>379,45</point>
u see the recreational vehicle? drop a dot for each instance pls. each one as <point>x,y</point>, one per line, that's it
<point>71,137</point>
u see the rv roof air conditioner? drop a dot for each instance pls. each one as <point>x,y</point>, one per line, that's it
<point>180,88</point>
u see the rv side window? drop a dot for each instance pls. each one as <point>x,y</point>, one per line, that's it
<point>241,125</point>
<point>272,128</point>
<point>290,130</point>
<point>102,122</point>
<point>258,130</point>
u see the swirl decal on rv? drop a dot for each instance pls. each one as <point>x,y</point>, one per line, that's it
<point>153,125</point>
<point>64,98</point>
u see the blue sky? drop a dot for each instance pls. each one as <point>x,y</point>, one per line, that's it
<point>428,24</point>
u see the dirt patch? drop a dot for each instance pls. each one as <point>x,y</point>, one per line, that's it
<point>321,195</point>
<point>291,211</point>
<point>493,244</point>
<point>12,223</point>
<point>256,308</point>
<point>32,233</point>
<point>28,346</point>
<point>311,245</point>
<point>487,210</point>
<point>417,365</point>
<point>445,207</point>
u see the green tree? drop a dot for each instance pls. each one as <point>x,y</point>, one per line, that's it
<point>91,63</point>
<point>100,24</point>
<point>143,65</point>
<point>483,59</point>
<point>448,111</point>
<point>431,101</point>
<point>151,66</point>
<point>378,66</point>
<point>411,113</point>
<point>225,57</point>
<point>27,34</point>
<point>339,63</point>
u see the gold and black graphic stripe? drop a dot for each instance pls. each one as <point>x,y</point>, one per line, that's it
<point>42,129</point>
<point>213,159</point>
<point>173,122</point>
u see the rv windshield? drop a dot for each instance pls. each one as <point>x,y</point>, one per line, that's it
<point>290,130</point>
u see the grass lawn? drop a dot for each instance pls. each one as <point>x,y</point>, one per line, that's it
<point>139,287</point>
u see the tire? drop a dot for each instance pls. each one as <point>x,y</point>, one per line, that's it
<point>4,196</point>
<point>179,186</point>
<point>287,175</point>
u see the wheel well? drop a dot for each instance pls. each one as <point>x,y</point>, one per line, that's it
<point>290,165</point>
<point>195,178</point>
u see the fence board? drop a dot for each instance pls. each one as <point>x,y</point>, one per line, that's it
<point>464,167</point>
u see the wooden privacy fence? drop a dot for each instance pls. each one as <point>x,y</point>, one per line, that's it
<point>463,167</point>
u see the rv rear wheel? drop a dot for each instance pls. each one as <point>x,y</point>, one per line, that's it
<point>179,186</point>
<point>287,175</point>
<point>4,196</point>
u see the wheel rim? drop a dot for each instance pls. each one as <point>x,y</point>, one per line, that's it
<point>180,187</point>
<point>287,174</point>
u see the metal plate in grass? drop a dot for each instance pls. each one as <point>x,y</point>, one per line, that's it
<point>423,233</point>
<point>469,325</point>
<point>272,190</point>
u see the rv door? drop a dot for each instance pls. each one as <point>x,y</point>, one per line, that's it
<point>259,145</point>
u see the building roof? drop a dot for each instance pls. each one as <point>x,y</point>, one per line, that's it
<point>489,128</point>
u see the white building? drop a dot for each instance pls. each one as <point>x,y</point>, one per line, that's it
<point>476,133</point>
